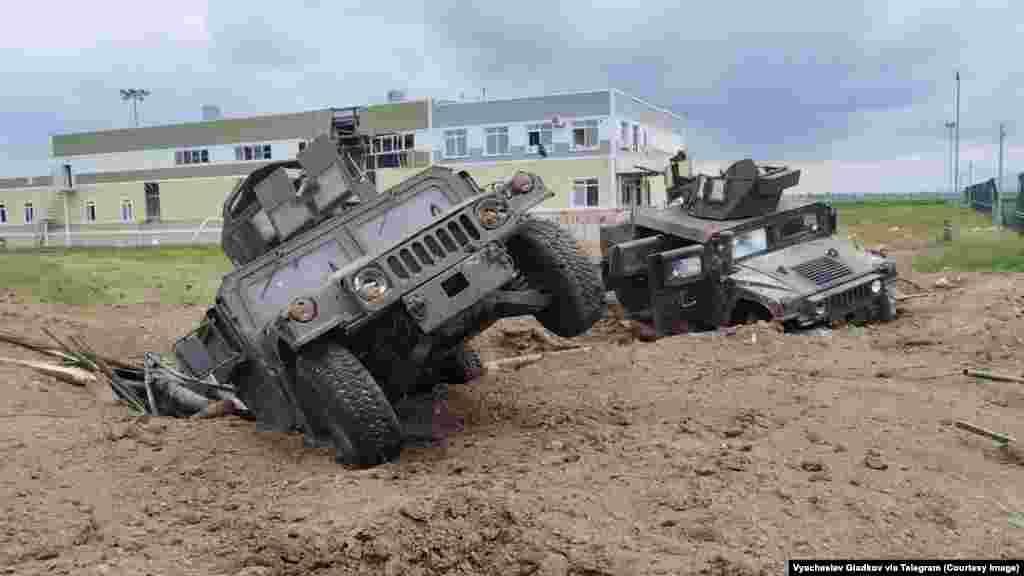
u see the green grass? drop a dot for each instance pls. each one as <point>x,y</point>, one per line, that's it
<point>975,247</point>
<point>89,276</point>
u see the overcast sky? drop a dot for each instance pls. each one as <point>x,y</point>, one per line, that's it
<point>855,93</point>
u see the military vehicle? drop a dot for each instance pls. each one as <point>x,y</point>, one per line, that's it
<point>343,302</point>
<point>731,248</point>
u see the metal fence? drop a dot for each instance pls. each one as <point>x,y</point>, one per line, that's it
<point>982,197</point>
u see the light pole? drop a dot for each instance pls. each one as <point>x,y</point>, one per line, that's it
<point>136,95</point>
<point>956,149</point>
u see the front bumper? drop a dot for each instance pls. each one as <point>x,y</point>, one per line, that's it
<point>840,301</point>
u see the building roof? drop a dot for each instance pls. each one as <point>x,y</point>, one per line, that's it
<point>304,125</point>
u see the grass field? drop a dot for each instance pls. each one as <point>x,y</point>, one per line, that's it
<point>191,275</point>
<point>976,245</point>
<point>84,276</point>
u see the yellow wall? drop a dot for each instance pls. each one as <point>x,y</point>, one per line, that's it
<point>388,177</point>
<point>14,200</point>
<point>557,174</point>
<point>180,200</point>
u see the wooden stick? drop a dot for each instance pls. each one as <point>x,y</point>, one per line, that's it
<point>990,376</point>
<point>44,348</point>
<point>520,361</point>
<point>75,376</point>
<point>1001,438</point>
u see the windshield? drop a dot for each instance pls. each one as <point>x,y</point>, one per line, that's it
<point>417,212</point>
<point>749,242</point>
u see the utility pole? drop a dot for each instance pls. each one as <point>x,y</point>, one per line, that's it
<point>956,149</point>
<point>949,157</point>
<point>136,95</point>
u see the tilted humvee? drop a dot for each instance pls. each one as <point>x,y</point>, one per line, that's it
<point>731,248</point>
<point>343,301</point>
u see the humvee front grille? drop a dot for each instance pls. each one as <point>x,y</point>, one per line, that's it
<point>850,298</point>
<point>433,247</point>
<point>823,271</point>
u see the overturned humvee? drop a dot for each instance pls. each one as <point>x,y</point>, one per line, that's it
<point>732,249</point>
<point>344,302</point>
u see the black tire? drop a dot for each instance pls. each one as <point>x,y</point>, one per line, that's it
<point>887,307</point>
<point>462,366</point>
<point>552,261</point>
<point>342,401</point>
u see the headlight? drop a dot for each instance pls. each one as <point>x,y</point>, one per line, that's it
<point>302,310</point>
<point>370,284</point>
<point>876,286</point>
<point>684,268</point>
<point>492,213</point>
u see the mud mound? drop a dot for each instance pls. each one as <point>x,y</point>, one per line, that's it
<point>460,532</point>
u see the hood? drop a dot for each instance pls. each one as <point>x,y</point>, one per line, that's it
<point>804,269</point>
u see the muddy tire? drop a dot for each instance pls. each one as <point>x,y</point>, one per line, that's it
<point>343,402</point>
<point>552,261</point>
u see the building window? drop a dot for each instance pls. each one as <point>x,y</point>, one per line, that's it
<point>645,139</point>
<point>636,137</point>
<point>253,152</point>
<point>624,135</point>
<point>585,192</point>
<point>584,134</point>
<point>3,213</point>
<point>538,135</point>
<point>90,211</point>
<point>455,143</point>
<point>30,213</point>
<point>127,211</point>
<point>152,190</point>
<point>200,156</point>
<point>390,151</point>
<point>497,140</point>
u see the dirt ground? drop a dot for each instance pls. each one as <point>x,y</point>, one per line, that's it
<point>699,454</point>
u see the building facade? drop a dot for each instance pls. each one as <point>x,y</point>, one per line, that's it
<point>601,149</point>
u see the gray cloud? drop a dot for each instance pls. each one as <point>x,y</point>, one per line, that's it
<point>863,82</point>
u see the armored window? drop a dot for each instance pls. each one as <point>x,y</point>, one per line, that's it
<point>302,146</point>
<point>127,211</point>
<point>715,190</point>
<point>30,213</point>
<point>497,140</point>
<point>455,143</point>
<point>538,135</point>
<point>3,214</point>
<point>584,134</point>
<point>266,152</point>
<point>90,211</point>
<point>205,155</point>
<point>585,193</point>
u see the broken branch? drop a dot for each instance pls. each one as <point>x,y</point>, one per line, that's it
<point>991,376</point>
<point>75,376</point>
<point>1001,438</point>
<point>517,362</point>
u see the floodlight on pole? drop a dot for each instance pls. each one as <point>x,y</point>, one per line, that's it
<point>136,95</point>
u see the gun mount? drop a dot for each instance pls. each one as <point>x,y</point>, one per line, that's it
<point>744,190</point>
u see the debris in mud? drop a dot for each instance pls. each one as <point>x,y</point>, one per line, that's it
<point>873,460</point>
<point>1001,438</point>
<point>155,388</point>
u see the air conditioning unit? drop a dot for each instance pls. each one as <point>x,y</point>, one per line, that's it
<point>557,122</point>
